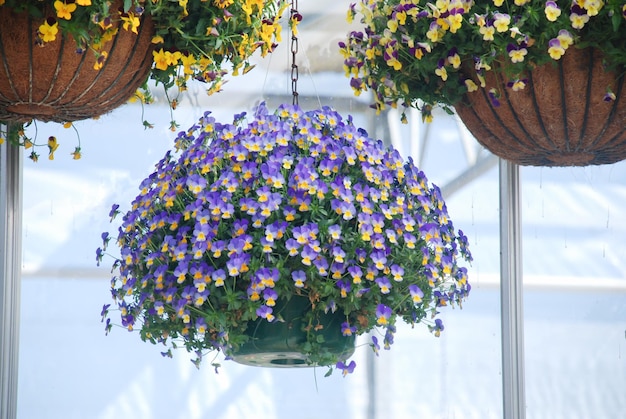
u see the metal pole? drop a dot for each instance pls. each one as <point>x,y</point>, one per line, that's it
<point>10,260</point>
<point>512,317</point>
<point>372,384</point>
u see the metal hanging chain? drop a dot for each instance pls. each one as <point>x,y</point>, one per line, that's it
<point>295,18</point>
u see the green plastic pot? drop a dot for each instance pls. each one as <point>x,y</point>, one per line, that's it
<point>280,344</point>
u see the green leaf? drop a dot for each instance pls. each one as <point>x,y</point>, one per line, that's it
<point>616,20</point>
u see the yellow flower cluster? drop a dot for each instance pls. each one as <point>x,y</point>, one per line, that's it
<point>193,39</point>
<point>65,11</point>
<point>259,32</point>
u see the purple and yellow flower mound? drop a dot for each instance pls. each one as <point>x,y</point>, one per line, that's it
<point>288,203</point>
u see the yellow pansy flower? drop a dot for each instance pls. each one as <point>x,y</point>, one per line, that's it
<point>47,32</point>
<point>183,4</point>
<point>52,147</point>
<point>552,11</point>
<point>501,22</point>
<point>160,59</point>
<point>131,21</point>
<point>471,86</point>
<point>64,10</point>
<point>188,61</point>
<point>102,56</point>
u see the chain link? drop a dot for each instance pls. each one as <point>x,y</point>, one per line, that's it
<point>295,19</point>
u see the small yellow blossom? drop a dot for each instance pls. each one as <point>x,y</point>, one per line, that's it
<point>64,10</point>
<point>487,32</point>
<point>52,147</point>
<point>552,11</point>
<point>455,21</point>
<point>216,87</point>
<point>565,38</point>
<point>578,21</point>
<point>435,34</point>
<point>105,23</point>
<point>107,36</point>
<point>183,4</point>
<point>392,62</point>
<point>351,13</point>
<point>592,6</point>
<point>501,22</point>
<point>442,72</point>
<point>102,56</point>
<point>131,21</point>
<point>188,62</point>
<point>471,86</point>
<point>555,49</point>
<point>392,25</point>
<point>222,4</point>
<point>173,57</point>
<point>137,96</point>
<point>266,33</point>
<point>204,63</point>
<point>518,85</point>
<point>160,59</point>
<point>517,55</point>
<point>556,52</point>
<point>454,60</point>
<point>47,32</point>
<point>76,154</point>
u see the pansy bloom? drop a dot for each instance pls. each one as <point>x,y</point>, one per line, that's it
<point>345,224</point>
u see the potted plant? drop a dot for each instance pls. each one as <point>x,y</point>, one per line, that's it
<point>287,212</point>
<point>67,60</point>
<point>537,82</point>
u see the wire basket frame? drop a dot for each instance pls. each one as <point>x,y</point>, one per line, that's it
<point>54,82</point>
<point>561,118</point>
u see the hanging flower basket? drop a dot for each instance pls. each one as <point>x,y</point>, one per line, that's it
<point>248,218</point>
<point>563,116</point>
<point>50,49</point>
<point>536,82</point>
<point>60,81</point>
